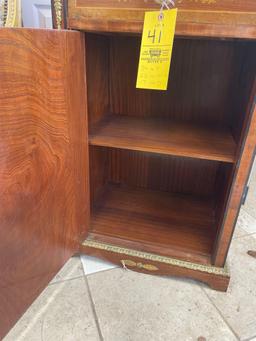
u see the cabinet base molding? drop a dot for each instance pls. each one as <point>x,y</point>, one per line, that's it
<point>217,278</point>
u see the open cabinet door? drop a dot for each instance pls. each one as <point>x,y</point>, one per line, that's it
<point>44,195</point>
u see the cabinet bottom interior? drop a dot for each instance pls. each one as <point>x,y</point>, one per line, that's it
<point>164,205</point>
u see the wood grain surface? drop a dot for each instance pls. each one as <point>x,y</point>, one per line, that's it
<point>161,172</point>
<point>43,161</point>
<point>205,77</point>
<point>197,66</point>
<point>164,137</point>
<point>169,224</point>
<point>210,84</point>
<point>240,179</point>
<point>227,5</point>
<point>133,170</point>
<point>155,172</point>
<point>212,18</point>
<point>205,80</point>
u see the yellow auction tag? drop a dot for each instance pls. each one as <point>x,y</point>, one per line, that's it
<point>156,49</point>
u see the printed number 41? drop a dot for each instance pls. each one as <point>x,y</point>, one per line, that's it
<point>154,36</point>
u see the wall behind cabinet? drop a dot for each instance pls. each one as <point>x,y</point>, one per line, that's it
<point>36,13</point>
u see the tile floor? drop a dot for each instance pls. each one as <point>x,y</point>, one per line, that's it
<point>89,300</point>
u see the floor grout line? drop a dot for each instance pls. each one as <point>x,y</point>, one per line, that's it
<point>221,315</point>
<point>248,213</point>
<point>95,273</point>
<point>239,237</point>
<point>251,234</point>
<point>93,309</point>
<point>247,235</point>
<point>65,280</point>
<point>244,230</point>
<point>250,338</point>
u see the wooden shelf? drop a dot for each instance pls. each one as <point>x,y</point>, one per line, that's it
<point>164,137</point>
<point>175,225</point>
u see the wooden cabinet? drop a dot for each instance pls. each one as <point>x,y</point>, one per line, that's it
<point>150,180</point>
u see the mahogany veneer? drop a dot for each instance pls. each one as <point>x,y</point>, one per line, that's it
<point>43,162</point>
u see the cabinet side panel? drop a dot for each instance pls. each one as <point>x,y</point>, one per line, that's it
<point>43,161</point>
<point>240,179</point>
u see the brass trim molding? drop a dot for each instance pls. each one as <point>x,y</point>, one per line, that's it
<point>3,12</point>
<point>13,18</point>
<point>58,13</point>
<point>156,258</point>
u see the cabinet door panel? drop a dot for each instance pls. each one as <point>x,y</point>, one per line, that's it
<point>44,208</point>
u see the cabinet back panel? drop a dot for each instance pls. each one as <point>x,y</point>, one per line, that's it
<point>99,166</point>
<point>162,173</point>
<point>201,82</point>
<point>151,171</point>
<point>97,74</point>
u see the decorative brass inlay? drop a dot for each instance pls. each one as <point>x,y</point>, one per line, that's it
<point>131,263</point>
<point>205,2</point>
<point>157,258</point>
<point>58,13</point>
<point>184,16</point>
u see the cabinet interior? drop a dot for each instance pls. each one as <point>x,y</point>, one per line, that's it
<point>161,162</point>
